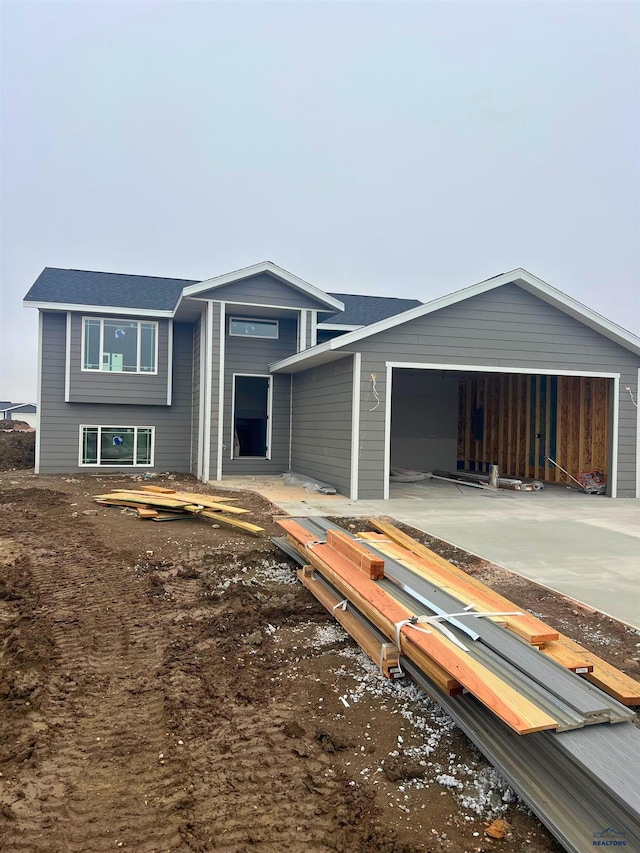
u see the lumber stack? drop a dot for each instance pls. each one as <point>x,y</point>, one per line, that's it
<point>555,645</point>
<point>537,704</point>
<point>459,632</point>
<point>159,504</point>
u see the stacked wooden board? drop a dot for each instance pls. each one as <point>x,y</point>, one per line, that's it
<point>160,504</point>
<point>500,676</point>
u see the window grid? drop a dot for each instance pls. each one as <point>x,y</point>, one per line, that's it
<point>140,325</point>
<point>142,445</point>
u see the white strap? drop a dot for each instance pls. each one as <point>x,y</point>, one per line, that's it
<point>341,604</point>
<point>416,622</point>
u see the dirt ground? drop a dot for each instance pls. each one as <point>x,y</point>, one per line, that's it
<point>171,687</point>
<point>17,446</point>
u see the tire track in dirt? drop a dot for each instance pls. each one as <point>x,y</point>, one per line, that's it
<point>107,778</point>
<point>161,727</point>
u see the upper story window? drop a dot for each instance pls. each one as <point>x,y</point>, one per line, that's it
<point>246,327</point>
<point>119,346</point>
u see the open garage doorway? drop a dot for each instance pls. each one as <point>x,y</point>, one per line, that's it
<point>468,420</point>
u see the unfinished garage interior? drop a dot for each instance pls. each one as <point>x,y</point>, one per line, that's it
<point>469,420</point>
<point>509,373</point>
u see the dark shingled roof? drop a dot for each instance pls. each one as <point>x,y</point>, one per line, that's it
<point>364,310</point>
<point>112,290</point>
<point>117,290</point>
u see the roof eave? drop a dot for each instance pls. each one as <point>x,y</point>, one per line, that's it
<point>519,276</point>
<point>98,309</point>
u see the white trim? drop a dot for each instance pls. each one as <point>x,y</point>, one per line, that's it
<point>36,467</point>
<point>269,379</point>
<point>355,426</point>
<point>137,371</point>
<point>67,360</point>
<point>520,277</point>
<point>386,466</point>
<point>201,393</point>
<point>614,437</point>
<point>135,429</point>
<point>314,328</point>
<point>257,269</point>
<point>169,361</point>
<point>290,418</point>
<point>638,436</point>
<point>302,331</point>
<point>206,438</point>
<point>293,308</point>
<point>98,309</point>
<point>221,369</point>
<point>338,327</point>
<point>541,371</point>
<point>139,347</point>
<point>253,320</point>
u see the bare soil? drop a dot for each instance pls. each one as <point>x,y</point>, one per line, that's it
<point>17,447</point>
<point>171,687</point>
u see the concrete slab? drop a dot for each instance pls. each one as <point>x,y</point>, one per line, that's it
<point>584,546</point>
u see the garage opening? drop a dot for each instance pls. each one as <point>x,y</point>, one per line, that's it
<point>468,421</point>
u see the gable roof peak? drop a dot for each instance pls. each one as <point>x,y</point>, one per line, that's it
<point>520,277</point>
<point>271,268</point>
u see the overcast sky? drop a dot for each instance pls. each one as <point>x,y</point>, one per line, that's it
<point>400,149</point>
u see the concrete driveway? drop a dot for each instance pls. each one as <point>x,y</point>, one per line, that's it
<point>584,546</point>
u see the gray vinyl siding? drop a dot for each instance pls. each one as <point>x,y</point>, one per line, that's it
<point>195,399</point>
<point>261,289</point>
<point>110,387</point>
<point>60,421</point>
<point>507,327</point>
<point>308,336</point>
<point>321,443</point>
<point>253,356</point>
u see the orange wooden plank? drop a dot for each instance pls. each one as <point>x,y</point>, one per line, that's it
<point>370,564</point>
<point>572,659</point>
<point>463,586</point>
<point>296,530</point>
<point>604,675</point>
<point>378,606</point>
<point>146,512</point>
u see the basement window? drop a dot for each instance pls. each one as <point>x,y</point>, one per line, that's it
<point>246,327</point>
<point>119,346</point>
<point>111,445</point>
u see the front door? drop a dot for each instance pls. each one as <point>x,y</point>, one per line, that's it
<point>251,401</point>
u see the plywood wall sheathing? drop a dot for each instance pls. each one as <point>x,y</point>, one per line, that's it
<point>517,421</point>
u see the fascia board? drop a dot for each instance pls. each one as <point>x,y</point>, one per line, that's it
<point>339,327</point>
<point>98,309</point>
<point>256,269</point>
<point>537,287</point>
<point>320,354</point>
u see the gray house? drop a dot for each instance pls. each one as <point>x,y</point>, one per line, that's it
<point>257,371</point>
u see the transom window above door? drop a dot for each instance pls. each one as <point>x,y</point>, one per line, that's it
<point>119,346</point>
<point>251,328</point>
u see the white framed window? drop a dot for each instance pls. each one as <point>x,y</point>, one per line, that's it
<point>248,327</point>
<point>119,346</point>
<point>102,446</point>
